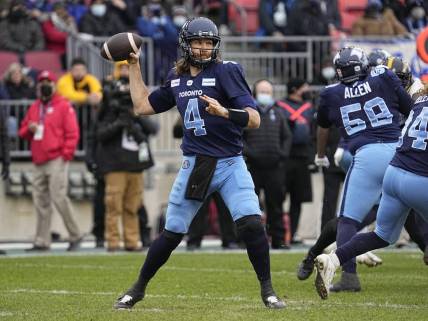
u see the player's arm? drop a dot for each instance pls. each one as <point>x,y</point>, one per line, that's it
<point>247,117</point>
<point>322,137</point>
<point>323,130</point>
<point>139,91</point>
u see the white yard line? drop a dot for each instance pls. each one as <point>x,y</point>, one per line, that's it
<point>292,304</point>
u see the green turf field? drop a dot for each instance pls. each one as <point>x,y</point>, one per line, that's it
<point>203,286</point>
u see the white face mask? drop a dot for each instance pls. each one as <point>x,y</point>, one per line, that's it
<point>328,73</point>
<point>179,21</point>
<point>99,9</point>
<point>280,16</point>
<point>265,99</point>
<point>418,13</point>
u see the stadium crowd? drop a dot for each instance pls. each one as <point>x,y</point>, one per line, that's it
<point>281,168</point>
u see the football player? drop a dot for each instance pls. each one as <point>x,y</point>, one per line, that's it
<point>365,106</point>
<point>404,187</point>
<point>416,227</point>
<point>215,103</point>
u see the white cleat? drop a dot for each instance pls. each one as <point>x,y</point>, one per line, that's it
<point>369,259</point>
<point>326,265</point>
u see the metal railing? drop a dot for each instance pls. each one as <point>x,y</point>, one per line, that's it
<point>88,48</point>
<point>162,144</point>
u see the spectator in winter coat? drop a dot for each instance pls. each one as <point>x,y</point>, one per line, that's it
<point>56,29</point>
<point>18,32</point>
<point>122,155</point>
<point>378,21</point>
<point>79,86</point>
<point>17,84</point>
<point>266,150</point>
<point>99,21</point>
<point>50,126</point>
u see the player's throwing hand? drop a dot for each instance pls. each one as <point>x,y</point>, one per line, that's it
<point>134,58</point>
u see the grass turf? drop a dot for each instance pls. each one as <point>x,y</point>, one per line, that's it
<point>203,286</point>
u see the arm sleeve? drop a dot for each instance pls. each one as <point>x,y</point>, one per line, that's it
<point>322,114</point>
<point>94,84</point>
<point>235,86</point>
<point>162,99</point>
<point>71,132</point>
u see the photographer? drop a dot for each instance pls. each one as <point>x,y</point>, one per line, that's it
<point>122,154</point>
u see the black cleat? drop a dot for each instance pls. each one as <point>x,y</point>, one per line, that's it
<point>270,299</point>
<point>128,300</point>
<point>305,268</point>
<point>349,282</point>
<point>273,302</point>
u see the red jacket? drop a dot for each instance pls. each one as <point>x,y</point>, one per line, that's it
<point>55,39</point>
<point>61,130</point>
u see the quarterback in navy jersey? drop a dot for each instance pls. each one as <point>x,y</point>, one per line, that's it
<point>404,187</point>
<point>215,103</point>
<point>365,106</point>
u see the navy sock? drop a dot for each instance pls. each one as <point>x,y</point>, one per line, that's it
<point>254,236</point>
<point>346,229</point>
<point>359,244</point>
<point>158,254</point>
<point>327,237</point>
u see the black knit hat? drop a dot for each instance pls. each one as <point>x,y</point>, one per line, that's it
<point>294,84</point>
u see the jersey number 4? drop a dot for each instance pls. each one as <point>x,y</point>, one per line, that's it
<point>383,117</point>
<point>192,118</point>
<point>418,130</point>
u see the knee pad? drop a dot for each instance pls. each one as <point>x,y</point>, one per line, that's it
<point>174,237</point>
<point>249,225</point>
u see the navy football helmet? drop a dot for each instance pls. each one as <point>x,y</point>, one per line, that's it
<point>401,69</point>
<point>350,63</point>
<point>378,57</point>
<point>197,28</point>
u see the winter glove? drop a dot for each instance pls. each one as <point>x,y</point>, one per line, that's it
<point>322,162</point>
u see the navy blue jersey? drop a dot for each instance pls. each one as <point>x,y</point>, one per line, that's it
<point>366,111</point>
<point>412,152</point>
<point>206,134</point>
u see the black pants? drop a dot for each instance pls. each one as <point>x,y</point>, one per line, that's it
<point>99,209</point>
<point>199,225</point>
<point>272,183</point>
<point>332,182</point>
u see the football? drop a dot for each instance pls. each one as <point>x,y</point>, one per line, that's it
<point>119,46</point>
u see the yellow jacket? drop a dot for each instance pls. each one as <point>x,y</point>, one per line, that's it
<point>78,92</point>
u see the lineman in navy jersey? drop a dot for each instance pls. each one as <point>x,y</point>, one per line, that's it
<point>215,103</point>
<point>365,107</point>
<point>404,187</point>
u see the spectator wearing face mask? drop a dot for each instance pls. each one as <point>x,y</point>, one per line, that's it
<point>79,86</point>
<point>266,150</point>
<point>416,19</point>
<point>99,21</point>
<point>56,29</point>
<point>19,32</point>
<point>164,30</point>
<point>273,17</point>
<point>378,21</point>
<point>299,111</point>
<point>50,126</point>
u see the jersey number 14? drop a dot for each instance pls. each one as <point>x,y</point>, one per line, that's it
<point>417,130</point>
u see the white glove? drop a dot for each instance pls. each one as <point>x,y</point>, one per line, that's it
<point>338,155</point>
<point>322,162</point>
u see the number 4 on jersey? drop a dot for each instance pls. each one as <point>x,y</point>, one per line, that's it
<point>417,130</point>
<point>192,112</point>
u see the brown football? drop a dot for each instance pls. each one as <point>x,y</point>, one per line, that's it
<point>119,46</point>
